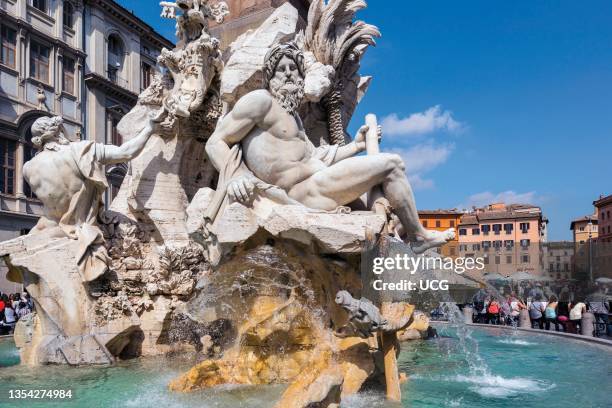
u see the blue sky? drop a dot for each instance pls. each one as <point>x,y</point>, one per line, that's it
<point>490,100</point>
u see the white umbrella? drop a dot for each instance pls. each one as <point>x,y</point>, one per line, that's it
<point>603,280</point>
<point>494,276</point>
<point>522,276</point>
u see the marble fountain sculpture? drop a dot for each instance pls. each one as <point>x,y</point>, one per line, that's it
<point>240,221</point>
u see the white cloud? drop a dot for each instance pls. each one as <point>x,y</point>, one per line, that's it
<point>421,123</point>
<point>507,197</point>
<point>421,159</point>
<point>419,183</point>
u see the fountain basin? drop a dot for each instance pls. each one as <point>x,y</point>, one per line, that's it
<point>490,367</point>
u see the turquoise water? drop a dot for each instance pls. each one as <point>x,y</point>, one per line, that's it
<point>506,369</point>
<point>487,368</point>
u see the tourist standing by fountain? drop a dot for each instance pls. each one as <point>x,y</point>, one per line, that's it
<point>563,309</point>
<point>493,311</point>
<point>575,315</point>
<point>2,306</point>
<point>536,308</point>
<point>506,311</point>
<point>550,313</point>
<point>10,318</point>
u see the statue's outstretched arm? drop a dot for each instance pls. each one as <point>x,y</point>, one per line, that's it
<point>132,148</point>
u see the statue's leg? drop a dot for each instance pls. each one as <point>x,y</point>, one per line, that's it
<point>348,179</point>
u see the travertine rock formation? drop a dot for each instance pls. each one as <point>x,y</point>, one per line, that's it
<point>279,299</point>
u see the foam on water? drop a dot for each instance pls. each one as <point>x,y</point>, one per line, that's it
<point>516,342</point>
<point>455,402</point>
<point>363,400</point>
<point>500,387</point>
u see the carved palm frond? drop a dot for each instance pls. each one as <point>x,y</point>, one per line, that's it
<point>331,33</point>
<point>337,40</point>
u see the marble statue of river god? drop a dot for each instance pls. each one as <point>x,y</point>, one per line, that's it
<point>265,125</point>
<point>68,177</point>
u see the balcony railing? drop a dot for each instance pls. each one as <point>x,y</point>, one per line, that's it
<point>114,77</point>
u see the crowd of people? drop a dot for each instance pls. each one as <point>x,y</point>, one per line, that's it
<point>13,306</point>
<point>544,312</point>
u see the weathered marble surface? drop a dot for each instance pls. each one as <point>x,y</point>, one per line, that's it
<point>243,70</point>
<point>329,232</point>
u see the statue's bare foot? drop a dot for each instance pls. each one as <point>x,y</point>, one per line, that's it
<point>433,239</point>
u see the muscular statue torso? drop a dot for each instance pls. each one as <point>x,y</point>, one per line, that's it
<point>54,177</point>
<point>277,149</point>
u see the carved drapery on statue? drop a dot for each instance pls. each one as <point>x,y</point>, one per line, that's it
<point>81,220</point>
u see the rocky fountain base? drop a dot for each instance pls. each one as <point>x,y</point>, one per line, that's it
<point>277,301</point>
<point>267,313</point>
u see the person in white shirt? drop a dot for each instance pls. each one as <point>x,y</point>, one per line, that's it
<point>575,314</point>
<point>10,318</point>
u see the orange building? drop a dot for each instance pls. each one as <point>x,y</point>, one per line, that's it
<point>507,236</point>
<point>441,220</point>
<point>584,228</point>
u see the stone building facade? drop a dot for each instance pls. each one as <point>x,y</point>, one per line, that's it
<point>584,228</point>
<point>604,212</point>
<point>86,60</point>
<point>508,237</point>
<point>121,57</point>
<point>557,259</point>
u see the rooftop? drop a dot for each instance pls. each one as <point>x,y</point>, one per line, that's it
<point>452,211</point>
<point>501,211</point>
<point>585,219</point>
<point>469,219</point>
<point>603,200</point>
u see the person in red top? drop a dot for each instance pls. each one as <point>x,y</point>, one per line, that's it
<point>493,311</point>
<point>2,306</point>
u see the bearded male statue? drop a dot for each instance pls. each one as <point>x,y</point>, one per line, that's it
<point>275,149</point>
<point>69,179</point>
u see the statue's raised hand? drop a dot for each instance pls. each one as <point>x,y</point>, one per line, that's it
<point>241,189</point>
<point>360,138</point>
<point>154,120</point>
<point>158,115</point>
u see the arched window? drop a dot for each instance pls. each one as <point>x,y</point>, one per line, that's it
<point>68,14</point>
<point>116,55</point>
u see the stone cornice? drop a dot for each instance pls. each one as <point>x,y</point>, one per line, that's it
<point>124,15</point>
<point>98,81</point>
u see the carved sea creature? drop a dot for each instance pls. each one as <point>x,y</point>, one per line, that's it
<point>364,317</point>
